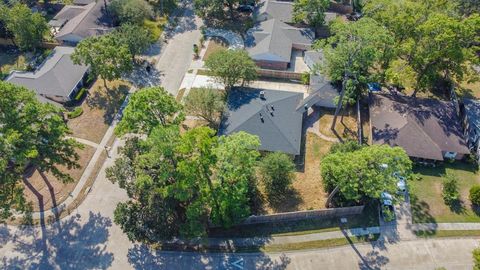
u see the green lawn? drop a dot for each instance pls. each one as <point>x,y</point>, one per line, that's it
<point>426,194</point>
<point>10,61</point>
<point>155,26</point>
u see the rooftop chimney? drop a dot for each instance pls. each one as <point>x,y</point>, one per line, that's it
<point>262,94</point>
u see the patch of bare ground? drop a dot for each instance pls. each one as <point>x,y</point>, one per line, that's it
<point>45,191</point>
<point>99,109</point>
<point>346,126</point>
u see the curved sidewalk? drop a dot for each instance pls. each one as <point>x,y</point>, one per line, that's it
<point>234,40</point>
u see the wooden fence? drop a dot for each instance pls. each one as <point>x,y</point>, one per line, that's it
<point>279,74</point>
<point>302,215</point>
<point>45,45</point>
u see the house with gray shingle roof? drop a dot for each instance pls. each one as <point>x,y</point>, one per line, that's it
<point>57,80</point>
<point>270,43</point>
<point>471,124</point>
<point>271,115</point>
<point>426,128</point>
<point>75,23</point>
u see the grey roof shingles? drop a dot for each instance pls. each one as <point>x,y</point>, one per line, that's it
<point>273,40</point>
<point>281,127</point>
<point>92,21</point>
<point>281,10</point>
<point>57,76</point>
<point>425,128</point>
<point>472,110</point>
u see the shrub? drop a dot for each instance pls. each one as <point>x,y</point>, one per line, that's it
<point>475,194</point>
<point>476,259</point>
<point>80,94</point>
<point>276,170</point>
<point>75,113</point>
<point>305,78</point>
<point>450,189</point>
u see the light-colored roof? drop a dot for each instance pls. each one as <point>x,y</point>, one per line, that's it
<point>92,21</point>
<point>472,110</point>
<point>273,40</point>
<point>273,119</point>
<point>423,127</point>
<point>57,76</point>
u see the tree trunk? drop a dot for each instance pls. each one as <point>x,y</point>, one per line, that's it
<point>359,123</point>
<point>105,83</point>
<point>331,195</point>
<point>339,106</point>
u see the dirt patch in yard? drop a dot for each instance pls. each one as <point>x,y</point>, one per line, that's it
<point>307,191</point>
<point>45,191</point>
<point>99,109</point>
<point>346,127</point>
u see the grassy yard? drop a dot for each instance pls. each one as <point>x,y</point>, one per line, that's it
<point>346,129</point>
<point>46,191</point>
<point>99,108</point>
<point>155,26</point>
<point>11,60</point>
<point>214,45</point>
<point>469,90</point>
<point>307,191</point>
<point>426,194</point>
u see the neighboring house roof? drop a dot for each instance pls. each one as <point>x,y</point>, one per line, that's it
<point>425,128</point>
<point>472,111</point>
<point>91,21</point>
<point>57,76</point>
<point>273,40</point>
<point>279,129</point>
<point>322,93</point>
<point>280,10</point>
<point>313,58</point>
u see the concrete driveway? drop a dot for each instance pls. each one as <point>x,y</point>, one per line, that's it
<point>177,54</point>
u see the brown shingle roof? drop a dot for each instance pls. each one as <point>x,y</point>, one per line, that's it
<point>425,128</point>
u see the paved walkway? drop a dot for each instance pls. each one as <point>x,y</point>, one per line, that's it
<point>234,40</point>
<point>83,141</point>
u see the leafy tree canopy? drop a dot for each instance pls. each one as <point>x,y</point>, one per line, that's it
<point>147,109</point>
<point>277,172</point>
<point>106,56</point>
<point>27,27</point>
<point>232,67</point>
<point>353,51</point>
<point>136,38</point>
<point>206,103</point>
<point>362,173</point>
<point>32,135</point>
<point>311,12</point>
<point>130,11</point>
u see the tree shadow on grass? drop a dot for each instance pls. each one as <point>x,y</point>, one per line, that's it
<point>142,257</point>
<point>286,201</point>
<point>457,207</point>
<point>67,244</point>
<point>109,100</point>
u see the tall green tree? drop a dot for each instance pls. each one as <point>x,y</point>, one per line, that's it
<point>130,11</point>
<point>27,27</point>
<point>215,8</point>
<point>468,7</point>
<point>277,173</point>
<point>237,155</point>
<point>361,174</point>
<point>106,56</point>
<point>433,44</point>
<point>206,103</point>
<point>135,37</point>
<point>232,67</point>
<point>311,12</point>
<point>147,109</point>
<point>32,135</point>
<point>352,54</point>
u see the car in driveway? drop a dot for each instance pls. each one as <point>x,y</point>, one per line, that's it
<point>401,183</point>
<point>387,209</point>
<point>245,8</point>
